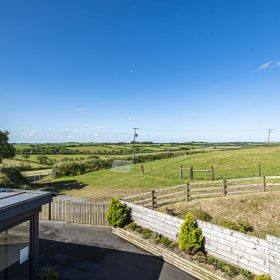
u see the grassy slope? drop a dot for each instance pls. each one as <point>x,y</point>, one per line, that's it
<point>261,210</point>
<point>104,184</point>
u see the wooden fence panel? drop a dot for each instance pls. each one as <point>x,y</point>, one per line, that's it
<point>248,252</point>
<point>80,212</point>
<point>274,256</point>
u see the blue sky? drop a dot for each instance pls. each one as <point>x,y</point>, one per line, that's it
<point>92,70</point>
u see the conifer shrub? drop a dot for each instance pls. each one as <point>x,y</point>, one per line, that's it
<point>263,277</point>
<point>118,214</point>
<point>190,238</point>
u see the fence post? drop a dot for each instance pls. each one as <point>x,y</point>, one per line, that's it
<point>163,171</point>
<point>191,172</point>
<point>225,188</point>
<point>50,211</point>
<point>264,184</point>
<point>142,168</point>
<point>181,172</point>
<point>260,170</point>
<point>153,199</point>
<point>212,173</point>
<point>188,192</point>
<point>150,165</point>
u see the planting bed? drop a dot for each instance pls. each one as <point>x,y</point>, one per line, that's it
<point>197,265</point>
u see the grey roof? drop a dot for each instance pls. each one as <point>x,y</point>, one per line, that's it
<point>14,202</point>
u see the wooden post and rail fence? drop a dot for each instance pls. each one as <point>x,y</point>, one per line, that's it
<point>195,190</point>
<point>190,172</point>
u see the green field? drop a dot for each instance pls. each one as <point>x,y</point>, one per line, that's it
<point>104,184</point>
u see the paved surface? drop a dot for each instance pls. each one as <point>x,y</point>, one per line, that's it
<point>80,252</point>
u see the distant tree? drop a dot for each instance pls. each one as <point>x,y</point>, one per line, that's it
<point>43,159</point>
<point>26,156</point>
<point>6,150</point>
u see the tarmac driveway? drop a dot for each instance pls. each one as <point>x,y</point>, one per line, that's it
<point>79,252</point>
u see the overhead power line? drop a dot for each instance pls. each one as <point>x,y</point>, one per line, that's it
<point>199,131</point>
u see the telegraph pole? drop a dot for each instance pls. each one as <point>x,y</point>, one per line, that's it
<point>134,139</point>
<point>268,138</point>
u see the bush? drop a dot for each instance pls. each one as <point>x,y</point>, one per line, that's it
<point>77,167</point>
<point>131,226</point>
<point>211,260</point>
<point>49,274</point>
<point>12,178</point>
<point>240,226</point>
<point>244,272</point>
<point>118,214</point>
<point>202,215</point>
<point>200,257</point>
<point>172,245</point>
<point>190,237</point>
<point>165,240</point>
<point>147,233</point>
<point>262,277</point>
<point>139,229</point>
<point>229,271</point>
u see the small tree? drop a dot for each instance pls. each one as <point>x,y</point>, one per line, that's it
<point>190,238</point>
<point>118,214</point>
<point>262,277</point>
<point>6,150</point>
<point>42,159</point>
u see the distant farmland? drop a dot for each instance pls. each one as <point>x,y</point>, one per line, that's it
<point>104,184</point>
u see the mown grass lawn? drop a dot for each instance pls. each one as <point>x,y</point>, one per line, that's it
<point>105,184</point>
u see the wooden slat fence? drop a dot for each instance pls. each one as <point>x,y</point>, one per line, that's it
<point>72,211</point>
<point>207,189</point>
<point>248,252</point>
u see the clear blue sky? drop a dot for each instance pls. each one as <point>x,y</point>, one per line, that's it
<point>92,70</point>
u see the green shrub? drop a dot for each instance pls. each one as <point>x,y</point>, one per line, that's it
<point>190,237</point>
<point>118,214</point>
<point>211,260</point>
<point>262,277</point>
<point>202,215</point>
<point>240,226</point>
<point>139,229</point>
<point>172,245</point>
<point>244,272</point>
<point>49,274</point>
<point>131,226</point>
<point>165,240</point>
<point>200,257</point>
<point>147,233</point>
<point>229,271</point>
<point>220,264</point>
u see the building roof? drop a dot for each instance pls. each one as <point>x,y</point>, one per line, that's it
<point>15,202</point>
